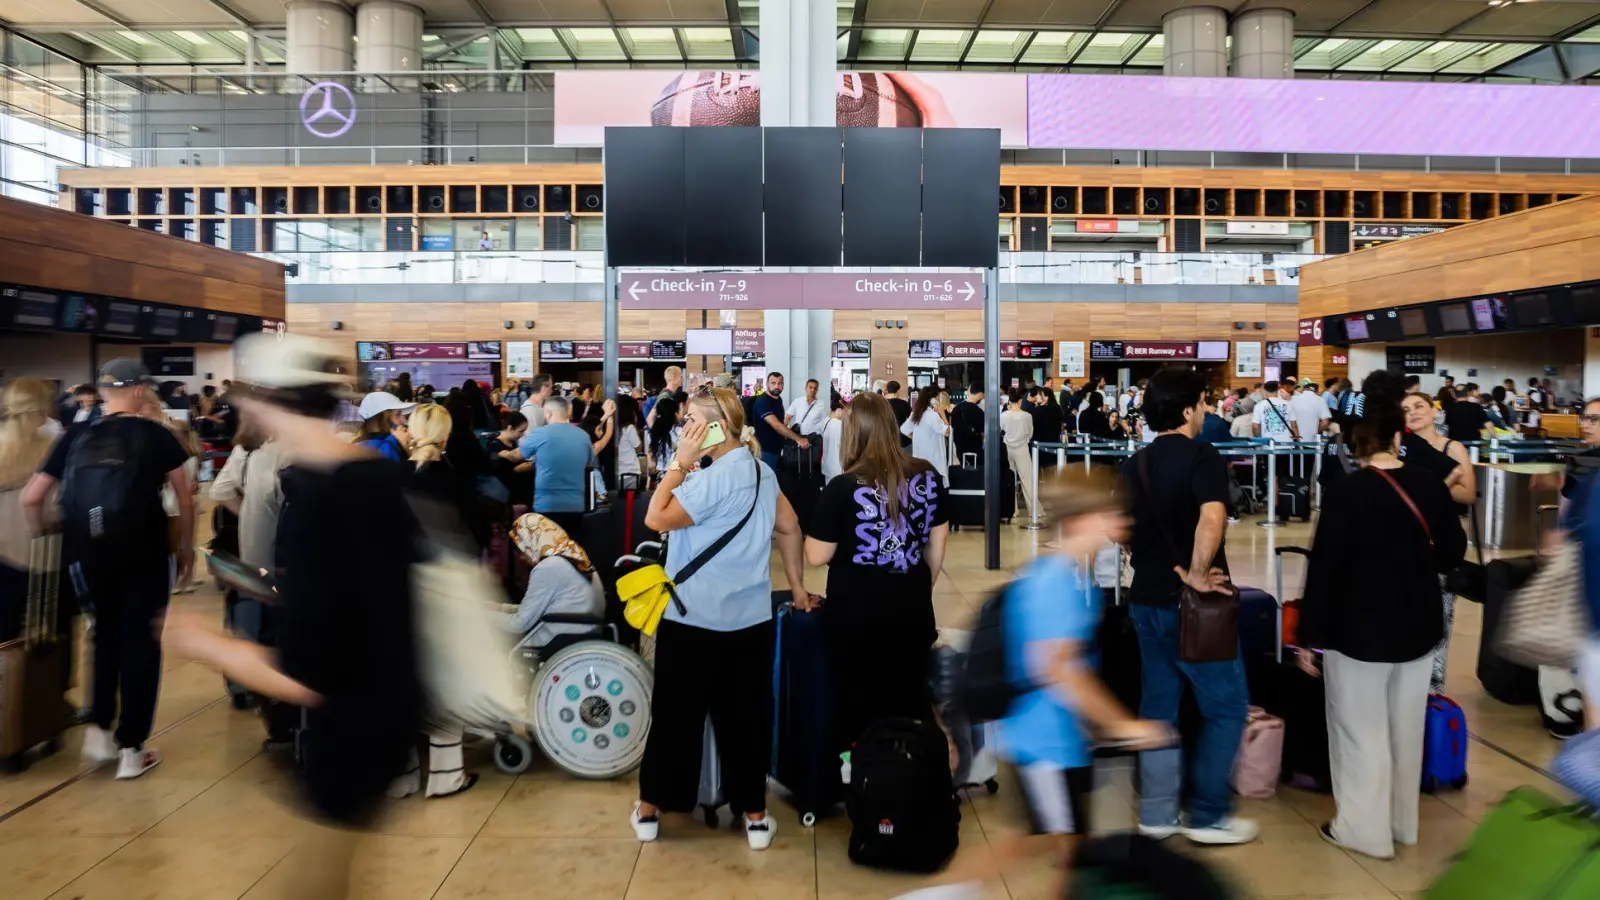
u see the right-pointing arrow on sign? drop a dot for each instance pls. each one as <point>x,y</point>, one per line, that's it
<point>967,292</point>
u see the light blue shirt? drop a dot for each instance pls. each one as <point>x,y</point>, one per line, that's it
<point>559,453</point>
<point>1047,603</point>
<point>734,589</point>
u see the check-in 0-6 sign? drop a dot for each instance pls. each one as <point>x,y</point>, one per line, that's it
<point>773,290</point>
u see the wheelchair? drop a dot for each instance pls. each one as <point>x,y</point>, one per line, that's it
<point>588,701</point>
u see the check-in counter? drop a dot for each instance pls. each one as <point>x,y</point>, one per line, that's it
<point>1508,503</point>
<point>1560,425</point>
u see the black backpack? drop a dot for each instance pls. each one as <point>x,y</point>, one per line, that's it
<point>100,505</point>
<point>985,691</point>
<point>903,804</point>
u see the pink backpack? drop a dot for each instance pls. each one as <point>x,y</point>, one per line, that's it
<point>1255,769</point>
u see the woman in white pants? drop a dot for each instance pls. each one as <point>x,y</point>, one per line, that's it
<point>1017,427</point>
<point>1372,605</point>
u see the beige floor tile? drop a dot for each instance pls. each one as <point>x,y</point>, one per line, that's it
<point>100,807</point>
<point>32,868</point>
<point>383,868</point>
<point>179,869</point>
<point>463,815</point>
<point>260,800</point>
<point>560,806</point>
<point>1414,868</point>
<point>838,878</point>
<point>721,866</point>
<point>1288,862</point>
<point>553,868</point>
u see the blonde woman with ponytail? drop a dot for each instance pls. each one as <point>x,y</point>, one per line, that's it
<point>25,441</point>
<point>714,653</point>
<point>435,475</point>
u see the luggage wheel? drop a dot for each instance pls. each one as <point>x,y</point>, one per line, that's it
<point>512,753</point>
<point>992,786</point>
<point>808,819</point>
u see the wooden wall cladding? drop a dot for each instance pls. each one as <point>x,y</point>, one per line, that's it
<point>1533,248</point>
<point>53,248</point>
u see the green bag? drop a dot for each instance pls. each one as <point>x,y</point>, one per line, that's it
<point>1530,847</point>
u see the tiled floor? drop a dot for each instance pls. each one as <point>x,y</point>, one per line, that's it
<point>212,823</point>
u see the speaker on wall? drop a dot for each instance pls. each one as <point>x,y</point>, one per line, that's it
<point>1155,201</point>
<point>1064,200</point>
<point>1008,201</point>
<point>431,197</point>
<point>1305,203</point>
<point>1216,203</point>
<point>591,198</point>
<point>525,198</point>
<point>369,199</point>
<point>276,200</point>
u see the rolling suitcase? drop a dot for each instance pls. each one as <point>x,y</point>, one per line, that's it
<point>710,796</point>
<point>967,494</point>
<point>976,761</point>
<point>1529,847</point>
<point>1501,678</point>
<point>1278,686</point>
<point>800,478</point>
<point>34,666</point>
<point>803,756</point>
<point>1294,498</point>
<point>1259,618</point>
<point>1444,745</point>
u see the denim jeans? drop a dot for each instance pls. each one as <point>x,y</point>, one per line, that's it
<point>1219,687</point>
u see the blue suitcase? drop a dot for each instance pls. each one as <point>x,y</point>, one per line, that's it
<point>803,758</point>
<point>1444,745</point>
<point>1258,622</point>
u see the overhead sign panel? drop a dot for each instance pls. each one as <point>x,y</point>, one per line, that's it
<point>773,290</point>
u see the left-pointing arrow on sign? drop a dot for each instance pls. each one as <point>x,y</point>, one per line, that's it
<point>633,290</point>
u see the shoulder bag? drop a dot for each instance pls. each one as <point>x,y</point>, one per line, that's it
<point>1545,622</point>
<point>1208,621</point>
<point>646,591</point>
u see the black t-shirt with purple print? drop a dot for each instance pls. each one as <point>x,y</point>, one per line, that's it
<point>874,553</point>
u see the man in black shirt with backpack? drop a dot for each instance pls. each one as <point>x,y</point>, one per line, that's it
<point>111,471</point>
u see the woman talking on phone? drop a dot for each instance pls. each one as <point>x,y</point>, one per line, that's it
<point>714,652</point>
<point>929,430</point>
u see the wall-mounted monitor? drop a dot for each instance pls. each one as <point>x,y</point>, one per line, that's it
<point>1489,314</point>
<point>1586,304</point>
<point>925,350</point>
<point>1413,322</point>
<point>1286,351</point>
<point>709,341</point>
<point>1384,325</point>
<point>1532,309</point>
<point>370,351</point>
<point>555,350</point>
<point>224,329</point>
<point>483,349</point>
<point>81,312</point>
<point>1105,349</point>
<point>1213,351</point>
<point>164,322</point>
<point>852,349</point>
<point>667,349</point>
<point>1455,318</point>
<point>34,309</point>
<point>1355,328</point>
<point>1038,350</point>
<point>121,318</point>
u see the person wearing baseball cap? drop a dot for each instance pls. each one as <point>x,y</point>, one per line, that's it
<point>346,641</point>
<point>383,425</point>
<point>117,556</point>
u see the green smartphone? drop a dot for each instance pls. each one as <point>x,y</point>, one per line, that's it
<point>714,436</point>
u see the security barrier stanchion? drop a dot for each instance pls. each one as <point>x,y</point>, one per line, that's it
<point>1033,508</point>
<point>1316,471</point>
<point>1272,488</point>
<point>1088,453</point>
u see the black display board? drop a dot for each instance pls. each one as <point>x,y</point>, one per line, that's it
<point>959,183</point>
<point>802,196</point>
<point>1410,360</point>
<point>644,178</point>
<point>721,196</point>
<point>169,362</point>
<point>883,196</point>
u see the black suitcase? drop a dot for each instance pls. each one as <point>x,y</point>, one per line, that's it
<point>1501,678</point>
<point>1121,662</point>
<point>904,811</point>
<point>967,494</point>
<point>804,760</point>
<point>802,484</point>
<point>1280,688</point>
<point>1294,498</point>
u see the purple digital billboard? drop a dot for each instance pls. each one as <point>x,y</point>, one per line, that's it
<point>1312,116</point>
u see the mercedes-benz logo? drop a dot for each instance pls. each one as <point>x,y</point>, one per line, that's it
<point>326,119</point>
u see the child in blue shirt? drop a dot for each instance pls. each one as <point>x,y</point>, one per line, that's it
<point>1050,623</point>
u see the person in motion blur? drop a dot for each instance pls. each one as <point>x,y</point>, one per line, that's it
<point>1050,625</point>
<point>880,528</point>
<point>930,430</point>
<point>714,652</point>
<point>1177,492</point>
<point>25,442</point>
<point>1372,605</point>
<point>118,560</point>
<point>346,646</point>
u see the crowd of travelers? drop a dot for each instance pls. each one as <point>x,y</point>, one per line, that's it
<point>323,493</point>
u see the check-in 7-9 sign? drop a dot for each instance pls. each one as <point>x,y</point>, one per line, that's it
<point>774,290</point>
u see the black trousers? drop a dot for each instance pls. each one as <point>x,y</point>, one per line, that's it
<point>879,641</point>
<point>728,676</point>
<point>126,602</point>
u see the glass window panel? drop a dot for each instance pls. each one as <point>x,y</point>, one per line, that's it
<point>344,234</point>
<point>372,237</point>
<point>469,234</point>
<point>525,236</point>
<point>285,236</point>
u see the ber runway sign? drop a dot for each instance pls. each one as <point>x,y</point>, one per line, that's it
<point>777,290</point>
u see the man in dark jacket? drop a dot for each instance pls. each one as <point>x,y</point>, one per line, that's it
<point>966,423</point>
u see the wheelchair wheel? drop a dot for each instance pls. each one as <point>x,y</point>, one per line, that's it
<point>512,753</point>
<point>590,705</point>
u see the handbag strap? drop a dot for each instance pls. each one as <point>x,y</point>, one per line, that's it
<point>1410,504</point>
<point>716,546</point>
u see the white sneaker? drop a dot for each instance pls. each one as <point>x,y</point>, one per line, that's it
<point>134,763</point>
<point>966,890</point>
<point>1231,830</point>
<point>98,745</point>
<point>760,833</point>
<point>644,830</point>
<point>1159,832</point>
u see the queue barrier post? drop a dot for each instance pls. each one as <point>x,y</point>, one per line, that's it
<point>1271,520</point>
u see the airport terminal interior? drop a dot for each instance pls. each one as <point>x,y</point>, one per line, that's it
<point>627,198</point>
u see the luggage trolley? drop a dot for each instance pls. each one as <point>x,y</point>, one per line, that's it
<point>588,700</point>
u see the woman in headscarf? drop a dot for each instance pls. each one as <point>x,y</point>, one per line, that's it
<point>562,580</point>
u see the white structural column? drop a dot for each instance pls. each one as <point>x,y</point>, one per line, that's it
<point>1196,42</point>
<point>317,37</point>
<point>1263,44</point>
<point>799,80</point>
<point>388,38</point>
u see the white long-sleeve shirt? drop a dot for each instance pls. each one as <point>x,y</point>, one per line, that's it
<point>929,441</point>
<point>1017,428</point>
